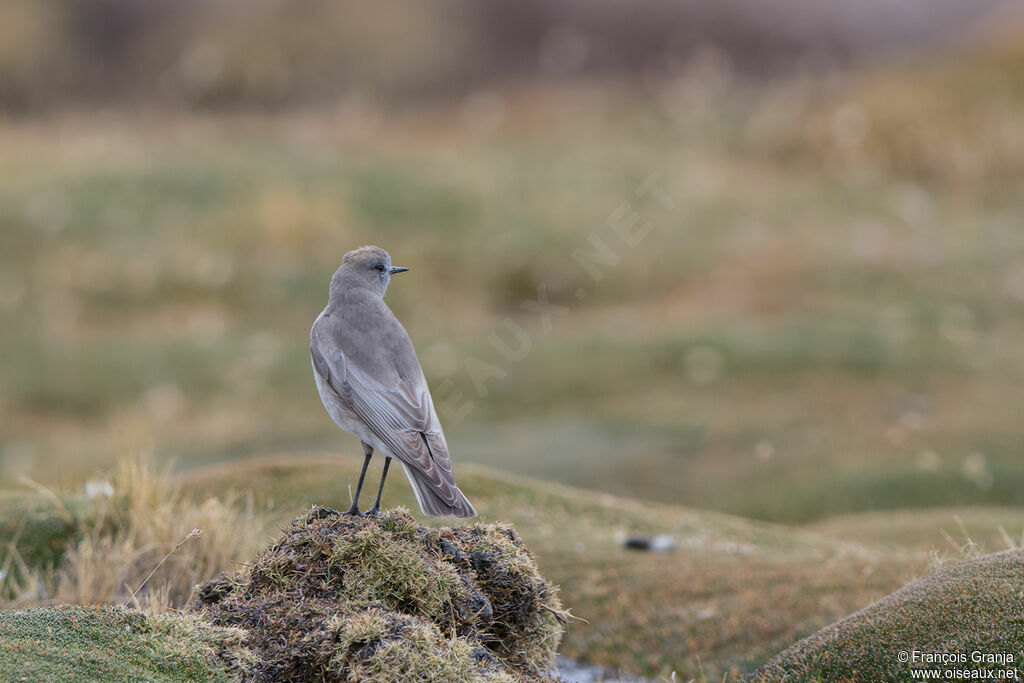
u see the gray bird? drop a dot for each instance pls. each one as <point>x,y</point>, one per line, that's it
<point>372,385</point>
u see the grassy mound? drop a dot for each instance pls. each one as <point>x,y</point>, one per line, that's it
<point>971,606</point>
<point>105,643</point>
<point>347,598</point>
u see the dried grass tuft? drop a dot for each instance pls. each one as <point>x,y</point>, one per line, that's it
<point>148,544</point>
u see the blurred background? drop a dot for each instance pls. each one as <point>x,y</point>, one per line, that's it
<point>829,318</point>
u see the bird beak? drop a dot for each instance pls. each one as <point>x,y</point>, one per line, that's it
<point>398,269</point>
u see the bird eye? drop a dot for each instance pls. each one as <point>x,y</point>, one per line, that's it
<point>380,267</point>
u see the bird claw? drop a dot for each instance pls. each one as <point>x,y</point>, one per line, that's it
<point>353,512</point>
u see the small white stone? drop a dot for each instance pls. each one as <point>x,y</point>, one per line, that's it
<point>662,542</point>
<point>98,489</point>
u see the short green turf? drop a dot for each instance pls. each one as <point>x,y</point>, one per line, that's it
<point>105,643</point>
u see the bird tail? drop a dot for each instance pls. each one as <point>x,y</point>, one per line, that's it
<point>431,504</point>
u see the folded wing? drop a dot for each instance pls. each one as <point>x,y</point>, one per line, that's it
<point>402,416</point>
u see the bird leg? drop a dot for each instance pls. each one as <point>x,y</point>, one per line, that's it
<point>376,506</point>
<point>353,509</point>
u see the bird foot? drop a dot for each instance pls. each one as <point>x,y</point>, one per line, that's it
<point>353,511</point>
<point>372,512</point>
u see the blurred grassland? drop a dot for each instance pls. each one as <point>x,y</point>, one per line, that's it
<point>829,320</point>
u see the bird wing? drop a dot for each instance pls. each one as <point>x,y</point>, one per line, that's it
<point>401,413</point>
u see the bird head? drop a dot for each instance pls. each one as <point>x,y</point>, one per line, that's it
<point>368,266</point>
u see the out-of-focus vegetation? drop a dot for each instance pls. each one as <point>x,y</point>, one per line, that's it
<point>828,320</point>
<point>224,54</point>
<point>100,548</point>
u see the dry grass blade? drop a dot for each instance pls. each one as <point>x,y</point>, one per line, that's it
<point>1010,545</point>
<point>195,533</point>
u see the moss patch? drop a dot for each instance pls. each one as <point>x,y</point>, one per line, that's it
<point>107,643</point>
<point>972,606</point>
<point>348,598</point>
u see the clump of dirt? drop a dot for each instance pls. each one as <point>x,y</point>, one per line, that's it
<point>381,598</point>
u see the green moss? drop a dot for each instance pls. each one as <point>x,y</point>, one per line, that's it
<point>391,568</point>
<point>971,606</point>
<point>110,644</point>
<point>377,643</point>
